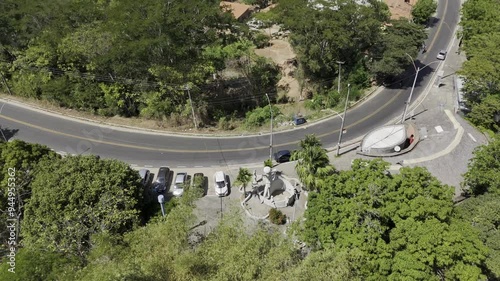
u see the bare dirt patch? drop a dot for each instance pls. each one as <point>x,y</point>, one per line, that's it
<point>400,8</point>
<point>280,52</point>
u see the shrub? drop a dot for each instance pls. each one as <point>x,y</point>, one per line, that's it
<point>226,123</point>
<point>276,216</point>
<point>268,163</point>
<point>260,40</point>
<point>259,116</point>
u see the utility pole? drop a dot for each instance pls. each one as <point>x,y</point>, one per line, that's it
<point>409,98</point>
<point>343,119</point>
<point>340,68</point>
<point>271,140</point>
<point>192,108</point>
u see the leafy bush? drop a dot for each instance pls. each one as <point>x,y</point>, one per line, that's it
<point>316,103</point>
<point>276,216</point>
<point>260,40</point>
<point>259,116</point>
<point>268,163</point>
<point>226,123</point>
<point>328,99</point>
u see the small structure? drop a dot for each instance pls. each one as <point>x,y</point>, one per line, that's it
<point>239,11</point>
<point>390,140</point>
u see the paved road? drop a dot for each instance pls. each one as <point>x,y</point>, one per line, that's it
<point>145,148</point>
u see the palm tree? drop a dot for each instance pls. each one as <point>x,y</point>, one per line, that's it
<point>313,164</point>
<point>244,177</point>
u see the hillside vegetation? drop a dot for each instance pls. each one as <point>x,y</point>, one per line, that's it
<point>146,58</point>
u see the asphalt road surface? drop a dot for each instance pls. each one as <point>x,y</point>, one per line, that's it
<point>144,148</point>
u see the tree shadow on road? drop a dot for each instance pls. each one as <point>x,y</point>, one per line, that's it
<point>6,133</point>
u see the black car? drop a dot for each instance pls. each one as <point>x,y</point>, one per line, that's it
<point>299,121</point>
<point>282,156</point>
<point>160,185</point>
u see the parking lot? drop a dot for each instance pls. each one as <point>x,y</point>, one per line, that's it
<point>207,172</point>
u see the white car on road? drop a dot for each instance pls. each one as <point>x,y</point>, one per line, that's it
<point>441,55</point>
<point>221,184</point>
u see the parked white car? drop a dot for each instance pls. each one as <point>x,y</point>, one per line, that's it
<point>221,184</point>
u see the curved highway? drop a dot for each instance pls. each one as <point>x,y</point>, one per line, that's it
<point>144,148</point>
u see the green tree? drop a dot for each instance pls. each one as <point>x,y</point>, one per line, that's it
<point>479,17</point>
<point>390,54</point>
<point>482,174</point>
<point>423,10</point>
<point>40,265</point>
<point>18,162</point>
<point>482,67</point>
<point>243,179</point>
<point>339,30</point>
<point>484,114</point>
<point>313,164</point>
<point>329,265</point>
<point>369,209</point>
<point>76,197</point>
<point>483,212</point>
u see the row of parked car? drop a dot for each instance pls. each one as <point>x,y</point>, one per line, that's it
<point>182,181</point>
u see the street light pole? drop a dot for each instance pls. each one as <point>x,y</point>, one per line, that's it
<point>340,68</point>
<point>417,70</point>
<point>343,118</point>
<point>271,140</point>
<point>409,98</point>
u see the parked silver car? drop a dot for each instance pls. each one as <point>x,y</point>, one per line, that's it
<point>180,180</point>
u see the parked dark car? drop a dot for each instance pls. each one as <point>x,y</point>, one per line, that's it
<point>282,156</point>
<point>160,185</point>
<point>144,174</point>
<point>299,120</point>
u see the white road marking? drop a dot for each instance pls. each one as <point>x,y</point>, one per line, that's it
<point>438,129</point>
<point>198,166</point>
<point>181,166</point>
<point>471,137</point>
<point>148,166</point>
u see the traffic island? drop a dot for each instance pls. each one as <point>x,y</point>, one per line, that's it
<point>390,140</point>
